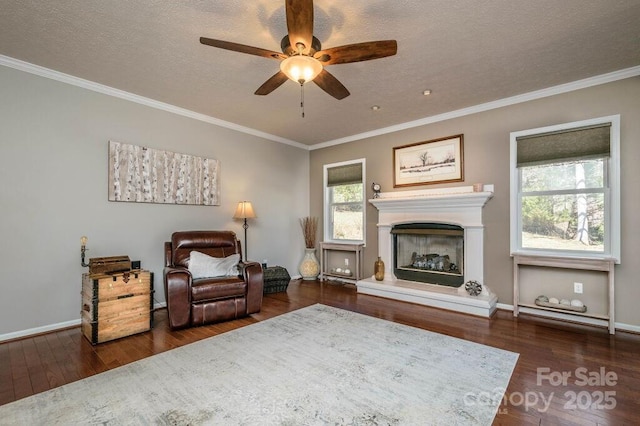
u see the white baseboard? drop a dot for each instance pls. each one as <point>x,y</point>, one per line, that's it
<point>53,327</point>
<point>504,306</point>
<point>627,327</point>
<point>39,330</point>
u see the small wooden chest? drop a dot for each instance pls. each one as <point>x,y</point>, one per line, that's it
<point>116,305</point>
<point>107,265</point>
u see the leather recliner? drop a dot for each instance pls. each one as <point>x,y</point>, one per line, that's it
<point>192,302</point>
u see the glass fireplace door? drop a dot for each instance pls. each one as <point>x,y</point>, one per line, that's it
<point>429,252</point>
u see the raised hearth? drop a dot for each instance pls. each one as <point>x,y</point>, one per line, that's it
<point>459,206</point>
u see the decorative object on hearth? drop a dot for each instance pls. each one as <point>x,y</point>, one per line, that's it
<point>424,163</point>
<point>376,189</point>
<point>474,288</point>
<point>83,251</point>
<point>378,269</point>
<point>309,267</point>
<point>245,211</point>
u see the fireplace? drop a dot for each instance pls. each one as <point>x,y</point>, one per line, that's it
<point>432,243</point>
<point>429,253</point>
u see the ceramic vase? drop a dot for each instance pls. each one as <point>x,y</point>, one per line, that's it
<point>378,269</point>
<point>309,267</point>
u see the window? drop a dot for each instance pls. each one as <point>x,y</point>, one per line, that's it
<point>344,199</point>
<point>565,189</point>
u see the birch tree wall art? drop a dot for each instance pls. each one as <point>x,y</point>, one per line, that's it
<point>146,175</point>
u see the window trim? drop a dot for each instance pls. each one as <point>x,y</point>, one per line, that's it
<point>327,205</point>
<point>612,194</point>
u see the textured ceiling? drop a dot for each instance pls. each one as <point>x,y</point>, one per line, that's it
<point>466,51</point>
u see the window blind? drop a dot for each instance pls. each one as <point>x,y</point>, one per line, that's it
<point>581,142</point>
<point>344,175</point>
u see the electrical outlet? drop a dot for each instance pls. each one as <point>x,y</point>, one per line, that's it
<point>577,288</point>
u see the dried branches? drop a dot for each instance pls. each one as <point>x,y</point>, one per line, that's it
<point>309,227</point>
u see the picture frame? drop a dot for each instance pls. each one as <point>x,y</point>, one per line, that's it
<point>145,175</point>
<point>429,162</point>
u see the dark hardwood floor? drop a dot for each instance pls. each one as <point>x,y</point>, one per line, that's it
<point>603,387</point>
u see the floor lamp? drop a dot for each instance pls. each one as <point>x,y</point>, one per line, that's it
<point>244,211</point>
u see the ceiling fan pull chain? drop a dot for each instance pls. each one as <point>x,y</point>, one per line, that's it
<point>302,98</point>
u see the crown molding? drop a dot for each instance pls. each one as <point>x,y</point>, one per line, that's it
<point>100,88</point>
<point>106,90</point>
<point>525,97</point>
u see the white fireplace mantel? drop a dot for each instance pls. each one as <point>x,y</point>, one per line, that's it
<point>458,206</point>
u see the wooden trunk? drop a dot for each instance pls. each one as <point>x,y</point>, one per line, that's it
<point>116,305</point>
<point>107,265</point>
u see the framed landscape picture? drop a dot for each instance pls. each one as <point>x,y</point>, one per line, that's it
<point>424,163</point>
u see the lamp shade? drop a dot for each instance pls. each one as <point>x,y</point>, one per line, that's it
<point>244,211</point>
<point>301,68</point>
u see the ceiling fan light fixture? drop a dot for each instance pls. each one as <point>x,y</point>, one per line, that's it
<point>301,68</point>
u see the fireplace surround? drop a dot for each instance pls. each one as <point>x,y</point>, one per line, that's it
<point>455,208</point>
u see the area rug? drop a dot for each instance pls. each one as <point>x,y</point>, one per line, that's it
<point>314,366</point>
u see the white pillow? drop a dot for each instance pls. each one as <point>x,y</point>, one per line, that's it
<point>205,266</point>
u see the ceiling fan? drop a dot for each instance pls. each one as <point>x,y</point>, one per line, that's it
<point>303,59</point>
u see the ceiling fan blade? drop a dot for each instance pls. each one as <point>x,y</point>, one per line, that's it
<point>242,48</point>
<point>357,52</point>
<point>272,84</point>
<point>331,85</point>
<point>300,23</point>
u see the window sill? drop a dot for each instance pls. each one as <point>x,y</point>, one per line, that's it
<point>567,256</point>
<point>598,263</point>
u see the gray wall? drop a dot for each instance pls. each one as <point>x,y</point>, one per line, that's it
<point>53,168</point>
<point>486,159</point>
